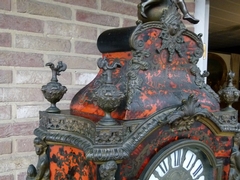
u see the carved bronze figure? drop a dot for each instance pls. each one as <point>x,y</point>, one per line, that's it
<point>107,170</point>
<point>146,5</point>
<point>235,159</point>
<point>41,171</point>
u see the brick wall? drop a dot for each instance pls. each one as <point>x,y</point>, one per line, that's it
<point>32,33</point>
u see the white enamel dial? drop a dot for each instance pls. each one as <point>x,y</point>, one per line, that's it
<point>182,164</point>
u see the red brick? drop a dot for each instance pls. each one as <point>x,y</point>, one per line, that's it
<point>75,62</point>
<point>25,145</point>
<point>41,77</point>
<point>42,43</point>
<point>11,58</point>
<point>22,176</point>
<point>5,5</point>
<point>5,39</point>
<point>17,129</point>
<point>30,111</point>
<point>65,106</point>
<point>119,7</point>
<point>84,78</point>
<point>133,1</point>
<point>17,162</point>
<point>5,147</point>
<point>96,18</point>
<point>20,23</point>
<point>68,96</point>
<point>71,30</point>
<point>5,76</point>
<point>85,3</point>
<point>43,9</point>
<point>7,177</point>
<point>129,22</point>
<point>5,112</point>
<point>86,48</point>
<point>20,94</point>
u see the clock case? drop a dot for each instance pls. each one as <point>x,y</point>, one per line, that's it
<point>161,104</point>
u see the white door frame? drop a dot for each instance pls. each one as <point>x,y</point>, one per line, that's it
<point>202,13</point>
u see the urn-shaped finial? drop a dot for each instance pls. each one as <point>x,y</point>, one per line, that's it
<point>108,97</point>
<point>229,94</point>
<point>54,91</point>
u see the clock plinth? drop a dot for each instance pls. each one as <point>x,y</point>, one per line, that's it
<point>151,118</point>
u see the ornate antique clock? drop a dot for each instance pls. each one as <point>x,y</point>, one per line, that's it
<point>148,114</point>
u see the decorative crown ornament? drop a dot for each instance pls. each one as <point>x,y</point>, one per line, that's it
<point>54,91</point>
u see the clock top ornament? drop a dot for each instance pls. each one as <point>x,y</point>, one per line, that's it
<point>158,59</point>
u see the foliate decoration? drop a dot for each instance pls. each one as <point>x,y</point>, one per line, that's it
<point>107,170</point>
<point>184,116</point>
<point>130,127</point>
<point>145,128</point>
<point>199,81</point>
<point>229,94</point>
<point>42,170</point>
<point>171,34</point>
<point>235,159</point>
<point>183,124</point>
<point>194,57</point>
<point>108,97</point>
<point>99,144</point>
<point>107,153</point>
<point>136,64</point>
<point>226,120</point>
<point>43,120</point>
<point>109,136</point>
<point>68,123</point>
<point>54,91</point>
<point>135,42</point>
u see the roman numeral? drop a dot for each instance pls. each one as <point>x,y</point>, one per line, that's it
<point>176,158</point>
<point>197,170</point>
<point>190,161</point>
<point>163,167</point>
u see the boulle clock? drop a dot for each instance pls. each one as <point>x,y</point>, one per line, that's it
<point>148,114</point>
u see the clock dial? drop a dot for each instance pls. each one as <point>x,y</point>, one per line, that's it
<point>183,163</point>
